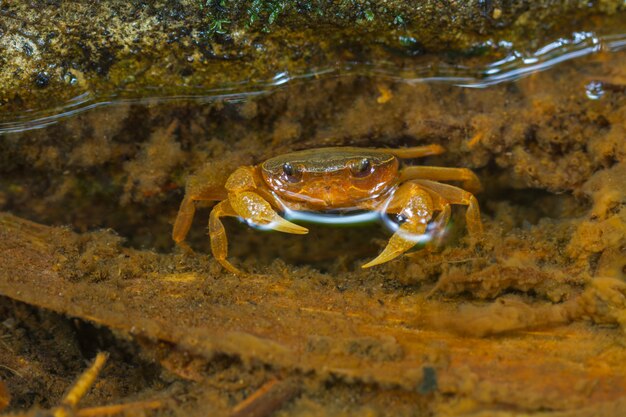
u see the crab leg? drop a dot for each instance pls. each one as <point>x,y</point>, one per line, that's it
<point>440,223</point>
<point>416,206</point>
<point>187,210</point>
<point>469,179</point>
<point>416,151</point>
<point>456,195</point>
<point>183,219</point>
<point>217,234</point>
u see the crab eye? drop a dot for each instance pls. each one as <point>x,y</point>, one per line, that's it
<point>293,174</point>
<point>361,168</point>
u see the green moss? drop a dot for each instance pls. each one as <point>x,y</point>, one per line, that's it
<point>256,13</point>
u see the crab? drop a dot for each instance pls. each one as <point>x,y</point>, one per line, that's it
<point>338,181</point>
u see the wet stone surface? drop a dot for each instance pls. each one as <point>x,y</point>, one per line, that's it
<point>59,60</point>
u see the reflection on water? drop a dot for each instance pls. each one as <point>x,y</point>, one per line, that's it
<point>514,65</point>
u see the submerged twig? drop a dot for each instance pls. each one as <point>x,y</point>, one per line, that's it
<point>81,386</point>
<point>11,370</point>
<point>109,410</point>
<point>270,397</point>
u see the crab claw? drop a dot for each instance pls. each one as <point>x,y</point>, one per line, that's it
<point>254,209</point>
<point>397,246</point>
<point>285,226</point>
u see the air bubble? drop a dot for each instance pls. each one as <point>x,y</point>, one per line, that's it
<point>70,78</point>
<point>594,90</point>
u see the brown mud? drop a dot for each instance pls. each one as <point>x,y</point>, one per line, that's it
<point>528,320</point>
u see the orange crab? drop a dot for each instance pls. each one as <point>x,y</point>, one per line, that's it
<point>338,181</point>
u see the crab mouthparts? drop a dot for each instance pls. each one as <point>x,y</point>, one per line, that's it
<point>328,192</point>
<point>328,196</point>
